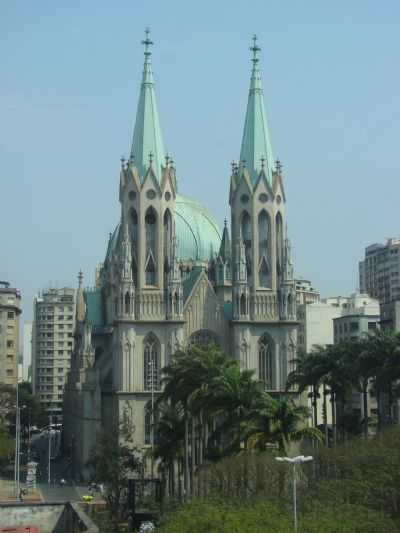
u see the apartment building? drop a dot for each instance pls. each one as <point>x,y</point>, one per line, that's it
<point>380,271</point>
<point>305,292</point>
<point>10,310</point>
<point>52,345</point>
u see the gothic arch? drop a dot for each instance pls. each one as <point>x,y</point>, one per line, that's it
<point>245,229</point>
<point>264,248</point>
<point>151,363</point>
<point>204,338</point>
<point>167,240</point>
<point>279,243</point>
<point>266,361</point>
<point>150,221</point>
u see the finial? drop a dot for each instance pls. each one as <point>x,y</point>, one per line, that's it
<point>278,165</point>
<point>80,278</point>
<point>255,49</point>
<point>132,160</point>
<point>147,43</point>
<point>243,161</point>
<point>225,222</point>
<point>122,161</point>
<point>167,159</point>
<point>262,162</point>
<point>151,157</point>
<point>233,165</point>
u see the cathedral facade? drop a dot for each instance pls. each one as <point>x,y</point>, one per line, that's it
<point>171,277</point>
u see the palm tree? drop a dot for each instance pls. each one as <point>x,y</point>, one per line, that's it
<point>282,424</point>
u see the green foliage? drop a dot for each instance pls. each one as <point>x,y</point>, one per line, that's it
<point>258,517</point>
<point>114,460</point>
<point>224,517</point>
<point>6,444</point>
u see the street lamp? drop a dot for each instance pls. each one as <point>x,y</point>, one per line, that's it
<point>294,461</point>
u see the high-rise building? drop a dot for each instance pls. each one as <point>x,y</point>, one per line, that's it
<point>171,278</point>
<point>52,345</point>
<point>10,310</point>
<point>27,352</point>
<point>380,271</point>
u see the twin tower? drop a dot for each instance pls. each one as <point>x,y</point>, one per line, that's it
<point>171,278</point>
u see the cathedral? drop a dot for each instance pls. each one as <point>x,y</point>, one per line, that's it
<point>171,277</point>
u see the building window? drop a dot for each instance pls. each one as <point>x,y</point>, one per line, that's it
<point>263,248</point>
<point>354,326</point>
<point>151,362</point>
<point>371,325</point>
<point>10,314</point>
<point>151,245</point>
<point>265,361</point>
<point>246,236</point>
<point>10,344</point>
<point>150,424</point>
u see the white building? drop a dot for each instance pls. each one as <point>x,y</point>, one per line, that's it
<point>52,345</point>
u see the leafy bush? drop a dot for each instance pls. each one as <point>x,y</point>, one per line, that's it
<point>223,517</point>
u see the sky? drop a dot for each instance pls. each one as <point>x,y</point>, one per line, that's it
<point>70,79</point>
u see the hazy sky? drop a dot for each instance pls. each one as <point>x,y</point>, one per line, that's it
<point>70,78</point>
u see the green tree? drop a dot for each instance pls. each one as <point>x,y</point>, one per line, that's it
<point>114,459</point>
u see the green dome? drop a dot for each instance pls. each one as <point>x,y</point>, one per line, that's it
<point>197,232</point>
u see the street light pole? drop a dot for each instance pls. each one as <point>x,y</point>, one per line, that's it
<point>151,363</point>
<point>49,465</point>
<point>16,462</point>
<point>294,462</point>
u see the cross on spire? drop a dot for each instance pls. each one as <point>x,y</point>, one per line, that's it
<point>255,49</point>
<point>151,157</point>
<point>80,278</point>
<point>147,43</point>
<point>262,159</point>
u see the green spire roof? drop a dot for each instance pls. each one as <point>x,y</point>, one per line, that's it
<point>256,149</point>
<point>147,143</point>
<point>225,248</point>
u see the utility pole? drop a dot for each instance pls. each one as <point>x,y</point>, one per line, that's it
<point>49,465</point>
<point>16,461</point>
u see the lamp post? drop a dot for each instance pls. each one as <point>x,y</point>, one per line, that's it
<point>49,464</point>
<point>294,461</point>
<point>151,366</point>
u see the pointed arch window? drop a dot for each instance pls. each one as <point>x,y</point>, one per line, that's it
<point>279,244</point>
<point>167,240</point>
<point>133,219</point>
<point>266,361</point>
<point>150,424</point>
<point>264,232</point>
<point>151,363</point>
<point>150,270</point>
<point>176,304</point>
<point>151,246</point>
<point>245,227</point>
<point>243,305</point>
<point>127,303</point>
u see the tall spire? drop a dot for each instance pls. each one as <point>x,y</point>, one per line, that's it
<point>256,145</point>
<point>147,136</point>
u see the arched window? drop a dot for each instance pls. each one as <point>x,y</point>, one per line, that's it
<point>167,240</point>
<point>150,270</point>
<point>151,246</point>
<point>243,305</point>
<point>263,248</point>
<point>133,219</point>
<point>127,303</point>
<point>266,361</point>
<point>279,244</point>
<point>245,227</point>
<point>176,304</point>
<point>203,338</point>
<point>115,306</point>
<point>151,363</point>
